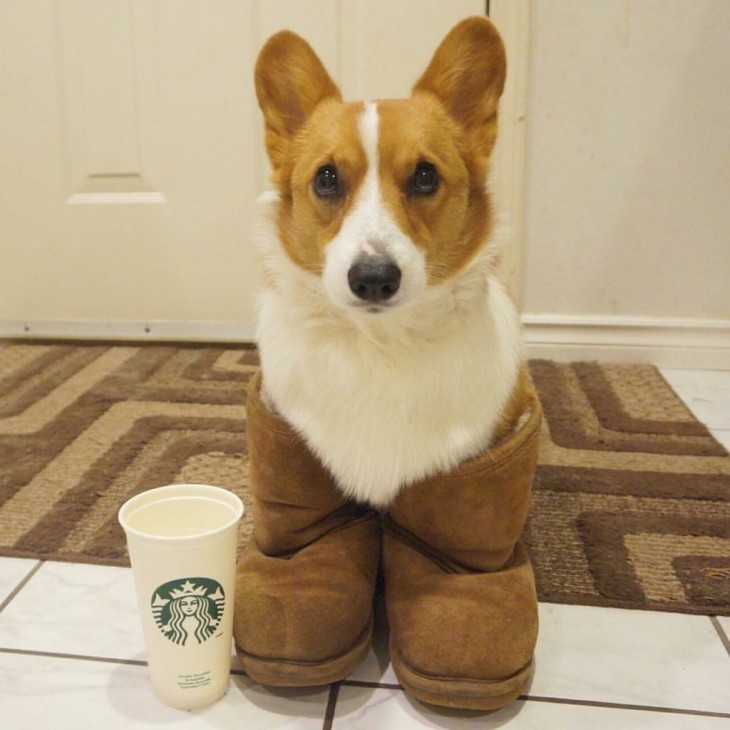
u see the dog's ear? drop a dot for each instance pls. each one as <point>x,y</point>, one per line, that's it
<point>290,82</point>
<point>467,74</point>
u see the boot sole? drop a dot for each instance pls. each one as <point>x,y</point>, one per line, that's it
<point>465,694</point>
<point>284,673</point>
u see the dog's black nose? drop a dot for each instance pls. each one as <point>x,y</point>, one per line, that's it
<point>374,278</point>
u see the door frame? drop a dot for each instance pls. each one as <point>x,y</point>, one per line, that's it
<point>512,18</point>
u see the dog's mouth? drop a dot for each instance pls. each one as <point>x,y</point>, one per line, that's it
<point>372,308</point>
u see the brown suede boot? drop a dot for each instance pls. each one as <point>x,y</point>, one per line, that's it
<point>305,582</point>
<point>459,587</point>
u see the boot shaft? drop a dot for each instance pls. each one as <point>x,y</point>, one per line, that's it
<point>295,500</point>
<point>472,517</point>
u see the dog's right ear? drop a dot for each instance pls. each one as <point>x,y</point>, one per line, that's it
<point>290,83</point>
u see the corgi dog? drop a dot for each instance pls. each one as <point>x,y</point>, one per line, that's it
<point>386,339</point>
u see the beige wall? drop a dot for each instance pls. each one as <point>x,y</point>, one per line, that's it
<point>623,230</point>
<point>627,213</point>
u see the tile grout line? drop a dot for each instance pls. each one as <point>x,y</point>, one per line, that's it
<point>21,585</point>
<point>721,633</point>
<point>76,657</point>
<point>371,685</point>
<point>566,701</point>
<point>334,688</point>
<point>329,714</point>
<point>622,706</point>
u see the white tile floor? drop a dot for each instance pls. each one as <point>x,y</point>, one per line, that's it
<point>72,656</point>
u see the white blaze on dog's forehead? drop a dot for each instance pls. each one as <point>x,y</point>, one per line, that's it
<point>371,229</point>
<point>368,124</point>
<point>370,200</point>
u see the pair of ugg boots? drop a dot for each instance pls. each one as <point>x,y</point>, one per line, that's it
<point>459,588</point>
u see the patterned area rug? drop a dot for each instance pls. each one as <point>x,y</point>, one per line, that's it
<point>632,496</point>
<point>631,504</point>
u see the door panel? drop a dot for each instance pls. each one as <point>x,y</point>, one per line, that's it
<point>132,154</point>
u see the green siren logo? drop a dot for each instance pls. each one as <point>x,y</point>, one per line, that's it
<point>188,610</point>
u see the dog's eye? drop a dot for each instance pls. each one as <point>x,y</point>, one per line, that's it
<point>425,179</point>
<point>325,181</point>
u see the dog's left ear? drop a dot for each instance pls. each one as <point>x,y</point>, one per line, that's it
<point>467,74</point>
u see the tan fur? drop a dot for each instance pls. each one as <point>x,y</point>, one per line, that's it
<point>290,83</point>
<point>450,121</point>
<point>517,407</point>
<point>451,225</point>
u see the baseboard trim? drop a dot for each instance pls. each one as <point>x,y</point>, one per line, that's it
<point>665,342</point>
<point>154,331</point>
<point>681,343</point>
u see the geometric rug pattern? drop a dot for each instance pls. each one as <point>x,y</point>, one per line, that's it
<point>631,503</point>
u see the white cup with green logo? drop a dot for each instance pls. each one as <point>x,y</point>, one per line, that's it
<point>182,546</point>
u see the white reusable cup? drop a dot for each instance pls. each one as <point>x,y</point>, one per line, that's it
<point>182,545</point>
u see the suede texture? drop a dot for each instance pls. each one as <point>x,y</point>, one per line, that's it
<point>459,587</point>
<point>305,583</point>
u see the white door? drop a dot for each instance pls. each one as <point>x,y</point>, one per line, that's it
<point>131,155</point>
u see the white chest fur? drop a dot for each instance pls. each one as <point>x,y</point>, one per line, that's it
<point>386,399</point>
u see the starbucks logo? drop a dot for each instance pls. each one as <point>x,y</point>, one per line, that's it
<point>188,611</point>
